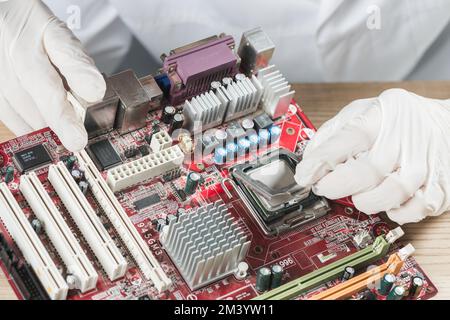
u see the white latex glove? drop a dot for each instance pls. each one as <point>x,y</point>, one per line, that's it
<point>36,52</point>
<point>391,153</point>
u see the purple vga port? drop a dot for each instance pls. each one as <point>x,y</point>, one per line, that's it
<point>191,71</point>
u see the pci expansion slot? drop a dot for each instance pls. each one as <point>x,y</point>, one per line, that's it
<point>138,248</point>
<point>31,246</point>
<point>79,268</point>
<point>87,221</point>
<point>357,260</point>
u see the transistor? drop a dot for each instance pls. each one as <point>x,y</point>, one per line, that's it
<point>262,121</point>
<point>143,149</point>
<point>131,152</point>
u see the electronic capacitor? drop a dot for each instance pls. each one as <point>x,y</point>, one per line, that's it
<point>232,149</point>
<point>84,186</point>
<point>349,272</point>
<point>221,136</point>
<point>243,146</point>
<point>177,122</point>
<point>397,293</point>
<point>277,276</point>
<point>415,287</point>
<point>247,124</point>
<point>386,284</point>
<point>77,174</point>
<point>192,182</point>
<point>263,278</point>
<point>220,155</point>
<point>168,114</point>
<point>264,137</point>
<point>9,174</point>
<point>275,132</point>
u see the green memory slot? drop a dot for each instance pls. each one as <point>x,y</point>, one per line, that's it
<point>357,260</point>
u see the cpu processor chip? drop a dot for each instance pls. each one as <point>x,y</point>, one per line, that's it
<point>270,191</point>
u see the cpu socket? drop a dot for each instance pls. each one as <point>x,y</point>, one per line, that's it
<point>269,190</point>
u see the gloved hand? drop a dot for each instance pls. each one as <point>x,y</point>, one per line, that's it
<point>36,52</point>
<point>391,153</point>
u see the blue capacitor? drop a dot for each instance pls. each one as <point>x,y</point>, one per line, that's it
<point>243,146</point>
<point>231,151</point>
<point>254,140</point>
<point>275,132</point>
<point>264,136</point>
<point>220,155</point>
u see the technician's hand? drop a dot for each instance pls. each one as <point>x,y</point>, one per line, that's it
<point>36,52</point>
<point>391,153</point>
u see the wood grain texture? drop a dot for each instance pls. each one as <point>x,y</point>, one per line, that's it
<point>431,238</point>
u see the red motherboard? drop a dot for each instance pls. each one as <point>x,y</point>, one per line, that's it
<point>298,251</point>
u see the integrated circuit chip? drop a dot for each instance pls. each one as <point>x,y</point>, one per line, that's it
<point>147,201</point>
<point>32,158</point>
<point>104,154</point>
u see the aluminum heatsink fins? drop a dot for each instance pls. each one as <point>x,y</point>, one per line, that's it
<point>205,245</point>
<point>277,92</point>
<point>229,100</point>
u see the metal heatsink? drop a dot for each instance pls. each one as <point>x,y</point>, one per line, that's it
<point>205,245</point>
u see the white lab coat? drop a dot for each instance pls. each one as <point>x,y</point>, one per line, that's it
<point>316,40</point>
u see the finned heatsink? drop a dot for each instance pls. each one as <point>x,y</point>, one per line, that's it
<point>229,101</point>
<point>31,246</point>
<point>205,245</point>
<point>277,92</point>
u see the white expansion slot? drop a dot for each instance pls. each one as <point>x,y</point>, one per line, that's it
<point>87,221</point>
<point>77,263</point>
<point>138,248</point>
<point>31,246</point>
<point>145,168</point>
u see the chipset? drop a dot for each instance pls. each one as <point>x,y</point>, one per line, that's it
<point>104,154</point>
<point>32,158</point>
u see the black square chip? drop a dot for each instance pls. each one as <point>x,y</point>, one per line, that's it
<point>32,158</point>
<point>104,154</point>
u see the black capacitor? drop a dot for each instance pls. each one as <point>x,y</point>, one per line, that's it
<point>180,212</point>
<point>415,287</point>
<point>349,272</point>
<point>263,277</point>
<point>192,182</point>
<point>277,276</point>
<point>369,295</point>
<point>386,284</point>
<point>168,114</point>
<point>77,175</point>
<point>160,224</point>
<point>177,122</point>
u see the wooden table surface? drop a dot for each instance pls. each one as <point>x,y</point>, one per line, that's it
<point>431,238</point>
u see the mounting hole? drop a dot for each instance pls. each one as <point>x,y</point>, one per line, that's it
<point>290,131</point>
<point>275,255</point>
<point>348,210</point>
<point>258,249</point>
